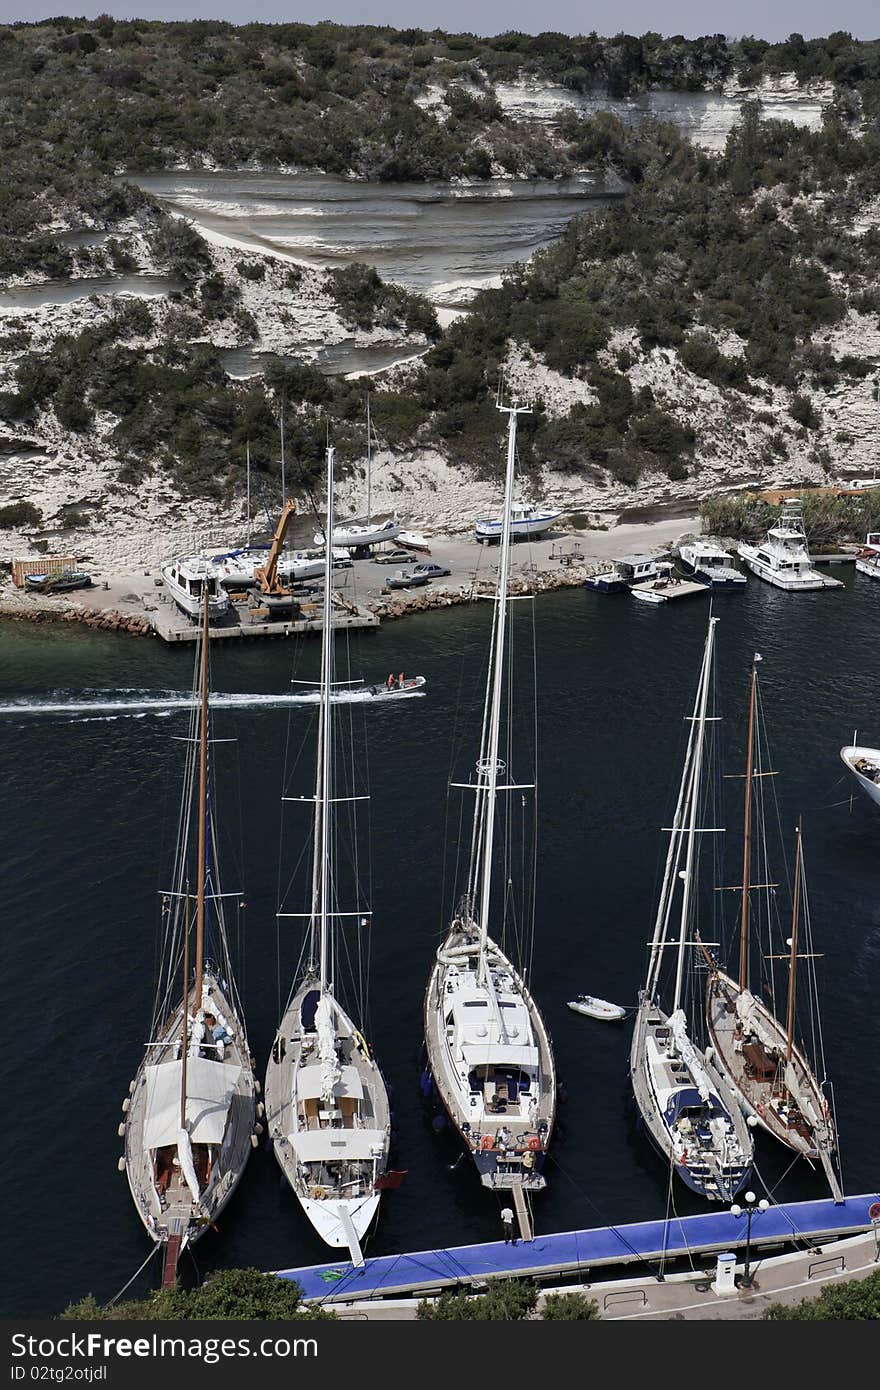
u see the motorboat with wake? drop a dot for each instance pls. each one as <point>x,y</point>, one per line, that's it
<point>778,1085</point>
<point>397,685</point>
<point>488,1050</point>
<point>190,1118</point>
<point>326,1102</point>
<point>783,559</point>
<point>690,1111</point>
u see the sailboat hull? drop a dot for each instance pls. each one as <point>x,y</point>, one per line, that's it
<point>331,1154</point>
<point>163,1200</point>
<point>704,1138</point>
<point>786,1100</point>
<point>505,1107</point>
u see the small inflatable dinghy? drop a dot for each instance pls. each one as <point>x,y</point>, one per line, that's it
<point>597,1008</point>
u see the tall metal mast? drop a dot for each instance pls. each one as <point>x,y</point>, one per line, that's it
<point>490,764</point>
<point>322,837</point>
<point>369,463</point>
<point>692,832</point>
<point>203,808</point>
<point>792,964</point>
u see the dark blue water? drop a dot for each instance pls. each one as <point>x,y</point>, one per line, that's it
<point>89,804</point>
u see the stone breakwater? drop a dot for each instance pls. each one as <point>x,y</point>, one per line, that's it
<point>424,600</point>
<point>107,619</point>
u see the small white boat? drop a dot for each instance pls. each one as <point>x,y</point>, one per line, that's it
<point>784,558</point>
<point>413,540</point>
<point>710,564</point>
<point>362,533</point>
<point>597,1008</point>
<point>864,764</point>
<point>868,558</point>
<point>525,520</point>
<point>187,579</point>
<point>398,687</point>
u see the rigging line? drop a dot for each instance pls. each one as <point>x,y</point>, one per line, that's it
<point>616,1230</point>
<point>116,1297</point>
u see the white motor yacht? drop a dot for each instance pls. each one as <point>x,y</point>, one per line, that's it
<point>711,564</point>
<point>525,520</point>
<point>783,559</point>
<point>187,579</point>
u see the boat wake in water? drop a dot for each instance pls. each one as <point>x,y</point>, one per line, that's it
<point>85,705</point>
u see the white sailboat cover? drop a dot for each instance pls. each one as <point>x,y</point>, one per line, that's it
<point>187,1166</point>
<point>749,1015</point>
<point>688,1053</point>
<point>324,1022</point>
<point>335,1144</point>
<point>209,1090</point>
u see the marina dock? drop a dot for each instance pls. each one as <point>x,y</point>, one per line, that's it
<point>573,1255</point>
<point>169,623</point>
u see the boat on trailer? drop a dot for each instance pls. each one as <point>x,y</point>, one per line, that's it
<point>525,520</point>
<point>488,1050</point>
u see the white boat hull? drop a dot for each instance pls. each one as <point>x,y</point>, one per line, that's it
<point>854,753</point>
<point>597,1008</point>
<point>528,526</point>
<point>801,582</point>
<point>327,1219</point>
<point>352,537</point>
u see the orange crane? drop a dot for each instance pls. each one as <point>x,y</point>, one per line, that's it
<point>266,577</point>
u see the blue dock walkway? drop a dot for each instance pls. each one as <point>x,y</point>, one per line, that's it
<point>568,1253</point>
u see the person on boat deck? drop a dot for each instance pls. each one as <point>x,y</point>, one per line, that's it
<point>390,680</point>
<point>400,680</point>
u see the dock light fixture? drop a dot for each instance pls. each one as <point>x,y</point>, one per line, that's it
<point>752,1208</point>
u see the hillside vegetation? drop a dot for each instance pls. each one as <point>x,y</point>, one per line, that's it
<point>728,274</point>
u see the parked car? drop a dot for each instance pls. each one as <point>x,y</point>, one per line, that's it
<point>392,557</point>
<point>404,579</point>
<point>431,570</point>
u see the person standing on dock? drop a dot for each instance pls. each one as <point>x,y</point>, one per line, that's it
<point>507,1223</point>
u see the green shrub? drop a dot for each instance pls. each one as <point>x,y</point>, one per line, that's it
<point>569,1307</point>
<point>19,514</point>
<point>803,411</point>
<point>505,1300</point>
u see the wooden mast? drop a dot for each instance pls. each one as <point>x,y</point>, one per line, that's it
<point>792,965</point>
<point>203,808</point>
<point>184,1029</point>
<point>747,842</point>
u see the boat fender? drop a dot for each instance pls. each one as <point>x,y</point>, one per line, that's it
<point>121,1130</point>
<point>260,1109</point>
<point>487,1142</point>
<point>258,1129</point>
<point>534,1142</point>
<point>125,1106</point>
<point>257,1087</point>
<point>761,1111</point>
<point>254,1141</point>
<point>684,1159</point>
<point>120,1163</point>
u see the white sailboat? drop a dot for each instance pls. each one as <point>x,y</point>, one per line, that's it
<point>190,1116</point>
<point>367,531</point>
<point>690,1111</point>
<point>488,1049</point>
<point>326,1102</point>
<point>776,1082</point>
<point>864,764</point>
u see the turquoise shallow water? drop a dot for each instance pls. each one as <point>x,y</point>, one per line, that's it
<point>89,802</point>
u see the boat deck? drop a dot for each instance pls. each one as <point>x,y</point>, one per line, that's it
<point>669,589</point>
<point>575,1253</point>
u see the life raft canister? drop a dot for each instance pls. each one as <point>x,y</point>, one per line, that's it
<point>534,1142</point>
<point>487,1142</point>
